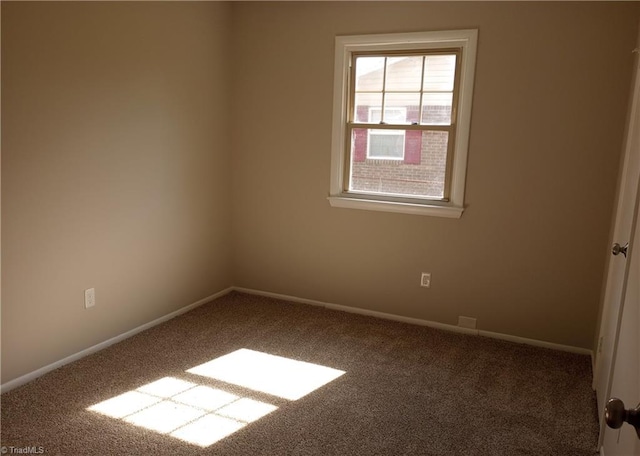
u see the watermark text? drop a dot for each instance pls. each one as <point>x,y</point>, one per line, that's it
<point>22,450</point>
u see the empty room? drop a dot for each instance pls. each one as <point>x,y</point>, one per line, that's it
<point>320,228</point>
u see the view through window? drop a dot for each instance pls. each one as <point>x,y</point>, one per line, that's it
<point>414,94</point>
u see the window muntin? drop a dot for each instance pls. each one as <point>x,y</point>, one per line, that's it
<point>443,109</point>
<point>414,93</point>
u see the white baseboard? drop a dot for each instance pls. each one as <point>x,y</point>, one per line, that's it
<point>420,322</point>
<point>356,310</point>
<point>536,343</point>
<point>102,345</point>
<point>415,321</point>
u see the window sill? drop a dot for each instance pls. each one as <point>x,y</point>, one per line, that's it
<point>448,211</point>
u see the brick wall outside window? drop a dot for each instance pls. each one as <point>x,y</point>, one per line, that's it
<point>424,178</point>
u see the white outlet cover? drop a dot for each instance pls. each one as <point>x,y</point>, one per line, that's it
<point>89,297</point>
<point>425,280</point>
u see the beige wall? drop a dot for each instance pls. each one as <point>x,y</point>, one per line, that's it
<point>136,163</point>
<point>527,256</point>
<point>115,169</point>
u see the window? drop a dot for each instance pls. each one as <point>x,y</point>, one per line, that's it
<point>386,144</point>
<point>402,110</point>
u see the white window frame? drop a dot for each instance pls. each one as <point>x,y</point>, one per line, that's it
<point>385,132</point>
<point>466,41</point>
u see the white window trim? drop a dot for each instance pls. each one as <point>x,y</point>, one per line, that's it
<point>344,46</point>
<point>385,132</point>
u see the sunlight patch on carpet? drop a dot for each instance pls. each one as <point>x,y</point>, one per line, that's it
<point>193,413</point>
<point>282,377</point>
<point>208,430</point>
<point>202,415</point>
<point>125,404</point>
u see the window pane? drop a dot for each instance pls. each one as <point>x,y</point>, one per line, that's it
<point>420,172</point>
<point>407,102</point>
<point>386,144</point>
<point>363,104</point>
<point>439,72</point>
<point>369,73</point>
<point>436,108</point>
<point>392,114</point>
<point>404,73</point>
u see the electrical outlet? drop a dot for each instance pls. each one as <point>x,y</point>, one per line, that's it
<point>425,280</point>
<point>89,297</point>
<point>467,322</point>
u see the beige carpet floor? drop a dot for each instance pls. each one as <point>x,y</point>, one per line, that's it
<point>277,378</point>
